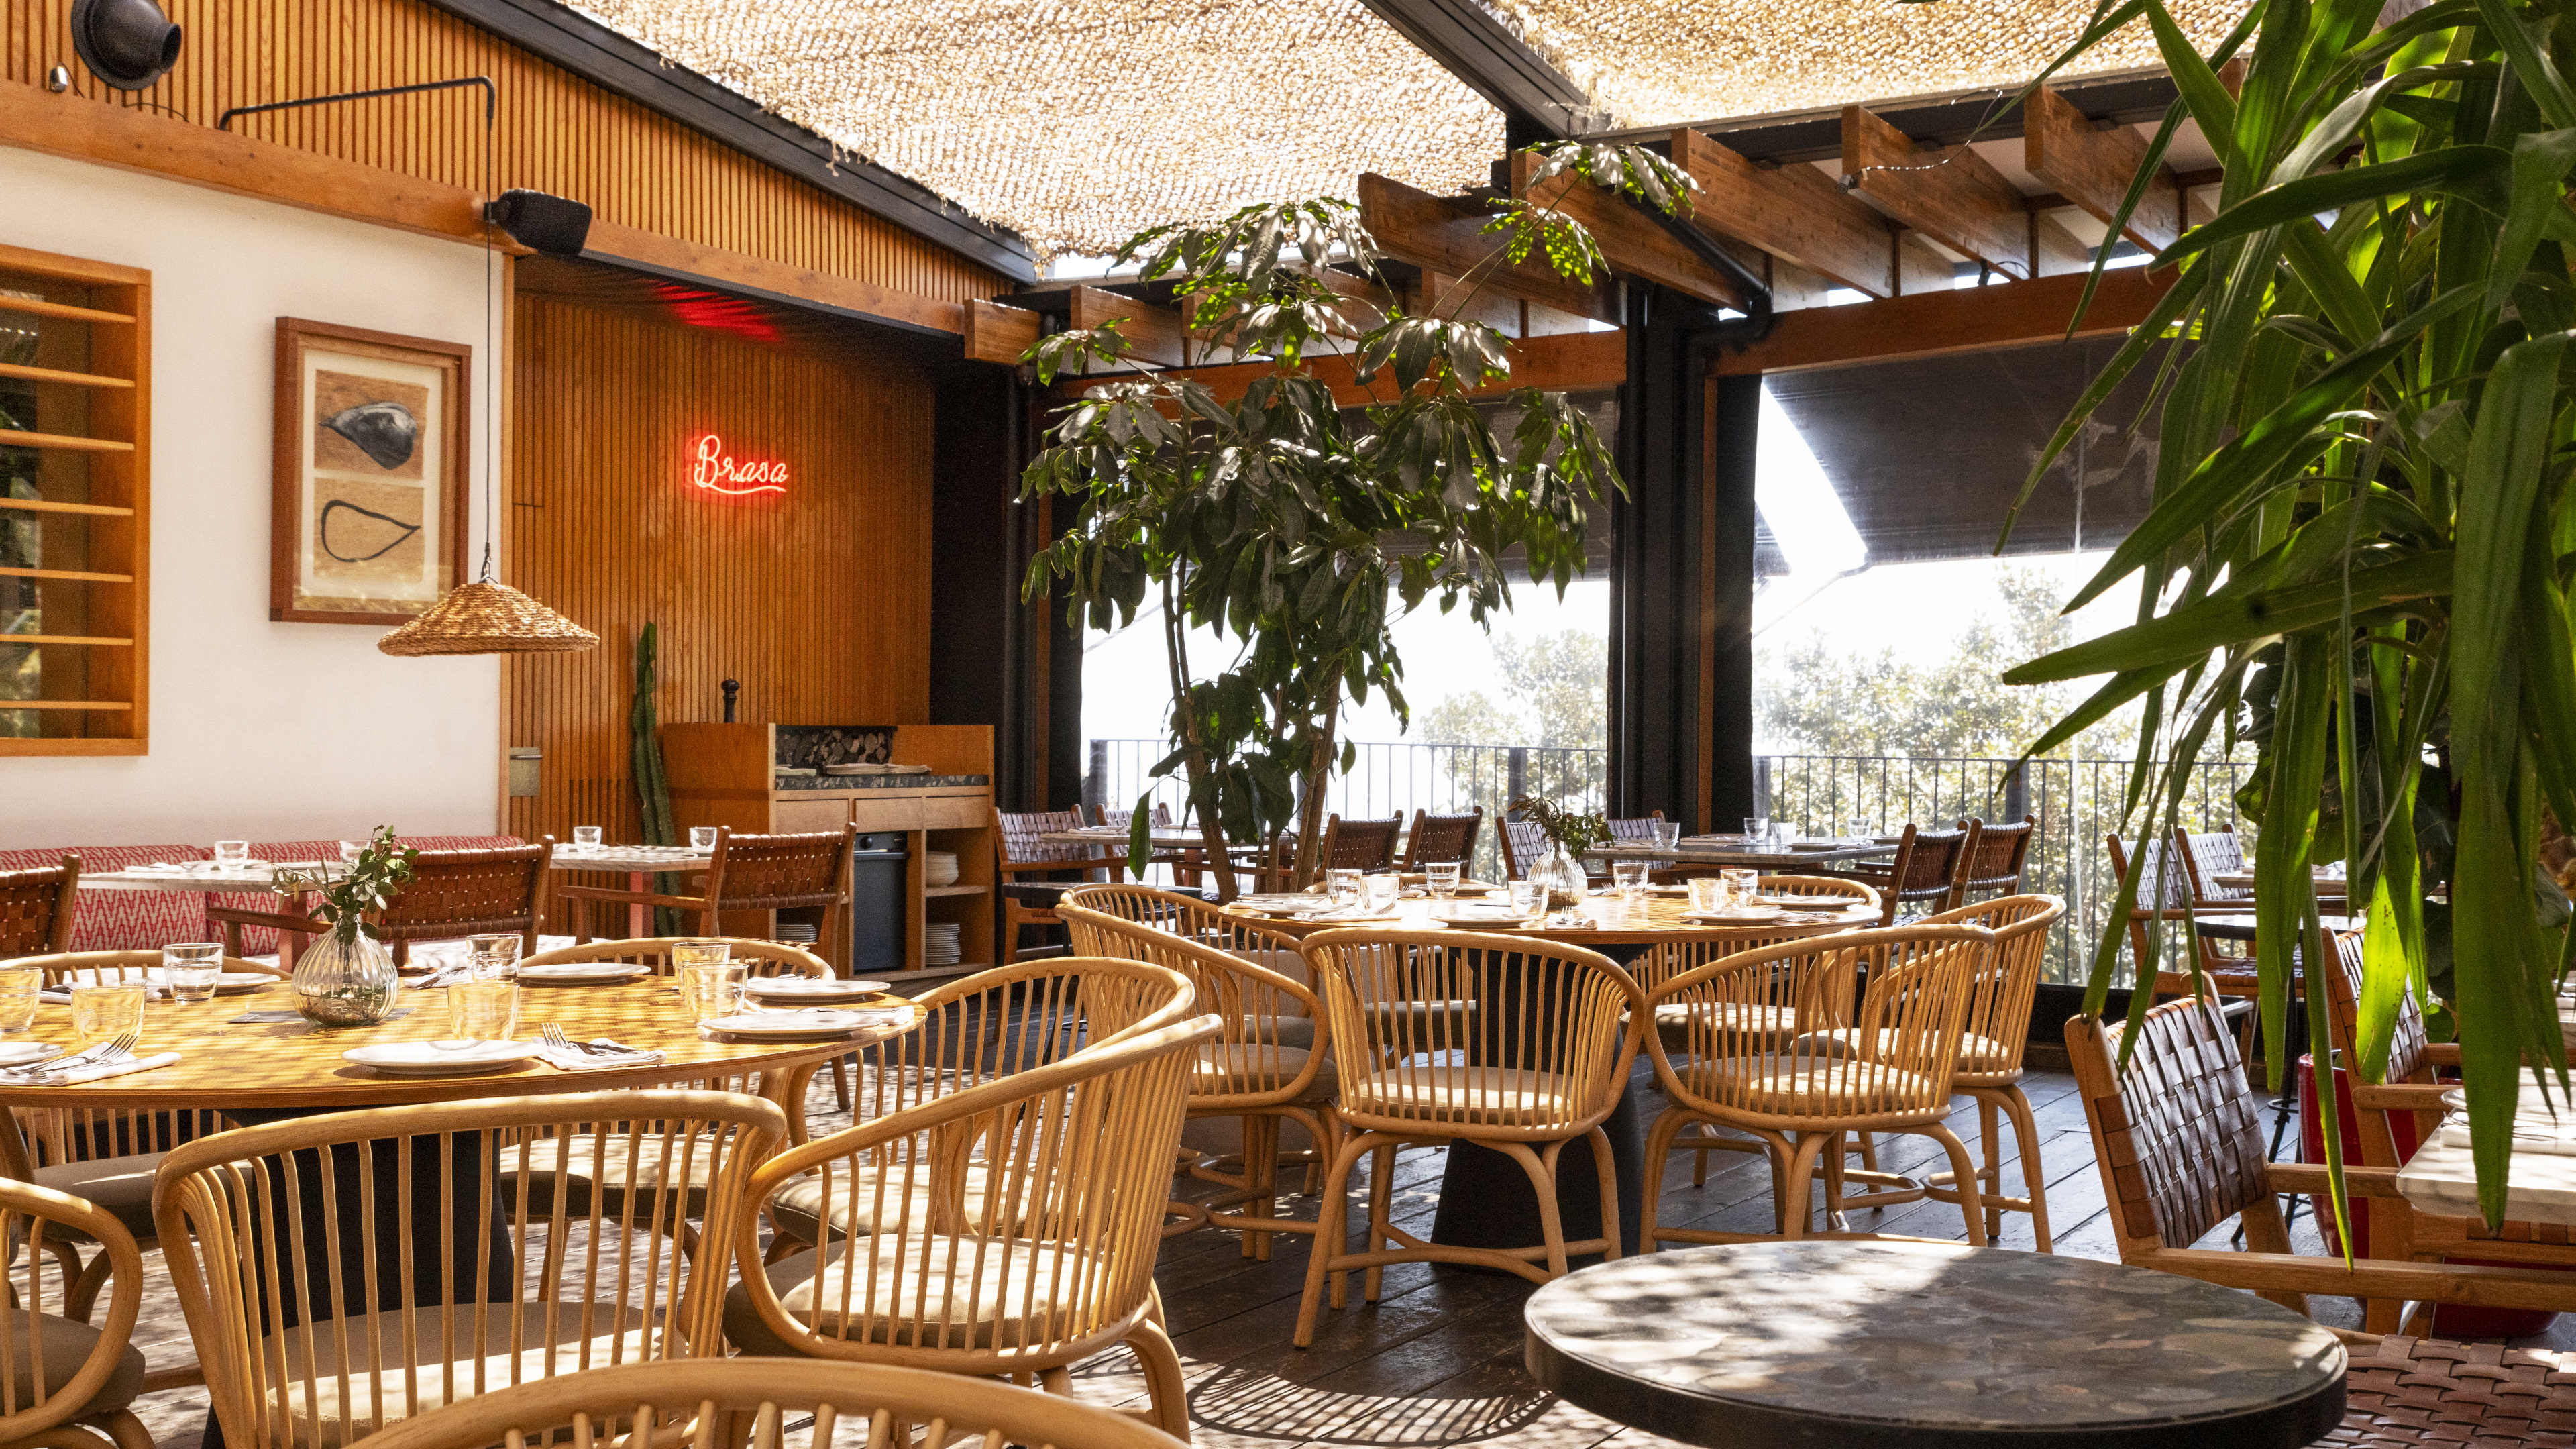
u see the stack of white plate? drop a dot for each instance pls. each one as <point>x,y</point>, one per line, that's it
<point>939,868</point>
<point>942,944</point>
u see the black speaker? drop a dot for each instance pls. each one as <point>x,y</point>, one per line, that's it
<point>128,44</point>
<point>554,225</point>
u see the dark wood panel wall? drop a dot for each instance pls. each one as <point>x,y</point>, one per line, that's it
<point>818,599</point>
<point>556,132</point>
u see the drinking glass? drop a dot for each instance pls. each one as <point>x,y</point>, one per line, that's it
<point>350,850</point>
<point>1668,834</point>
<point>1744,883</point>
<point>493,957</point>
<point>1757,830</point>
<point>18,987</point>
<point>585,837</point>
<point>1529,898</point>
<point>702,837</point>
<point>1342,886</point>
<point>482,1010</point>
<point>101,1010</point>
<point>1710,893</point>
<point>711,989</point>
<point>1382,889</point>
<point>191,969</point>
<point>232,855</point>
<point>1442,878</point>
<point>1628,877</point>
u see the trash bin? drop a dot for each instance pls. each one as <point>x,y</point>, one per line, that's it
<point>877,868</point>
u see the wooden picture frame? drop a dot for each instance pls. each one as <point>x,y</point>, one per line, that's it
<point>373,463</point>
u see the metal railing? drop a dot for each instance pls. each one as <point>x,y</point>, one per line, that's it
<point>2074,802</point>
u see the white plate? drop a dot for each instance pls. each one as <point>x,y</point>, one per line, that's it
<point>231,983</point>
<point>812,1024</point>
<point>1810,903</point>
<point>1502,916</point>
<point>810,988</point>
<point>580,973</point>
<point>19,1053</point>
<point>429,1059</point>
<point>1736,918</point>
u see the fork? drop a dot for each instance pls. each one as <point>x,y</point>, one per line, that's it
<point>555,1037</point>
<point>115,1048</point>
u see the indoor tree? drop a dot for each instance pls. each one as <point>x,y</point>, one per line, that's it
<point>1292,527</point>
<point>2359,553</point>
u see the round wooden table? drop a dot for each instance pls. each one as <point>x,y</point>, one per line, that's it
<point>1929,1346</point>
<point>1485,1198</point>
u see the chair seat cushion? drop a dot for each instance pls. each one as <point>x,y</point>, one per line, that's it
<point>67,1345</point>
<point>928,1291</point>
<point>1979,1054</point>
<point>122,1186</point>
<point>1455,1092</point>
<point>1804,1085</point>
<point>1676,1022</point>
<point>645,1164</point>
<point>551,1338</point>
<point>868,1199</point>
<point>1242,1069</point>
<point>1288,1031</point>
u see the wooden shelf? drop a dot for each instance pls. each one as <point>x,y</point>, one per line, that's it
<point>81,704</point>
<point>8,639</point>
<point>68,575</point>
<point>63,442</point>
<point>74,379</point>
<point>946,890</point>
<point>43,505</point>
<point>38,308</point>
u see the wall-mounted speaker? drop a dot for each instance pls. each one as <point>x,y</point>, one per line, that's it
<point>128,44</point>
<point>555,225</point>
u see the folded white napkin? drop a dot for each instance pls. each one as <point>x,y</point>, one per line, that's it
<point>98,1071</point>
<point>577,1060</point>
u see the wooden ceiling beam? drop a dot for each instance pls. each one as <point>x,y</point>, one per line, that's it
<point>1565,362</point>
<point>1794,212</point>
<point>1951,195</point>
<point>1634,242</point>
<point>995,333</point>
<point>1446,234</point>
<point>2093,167</point>
<point>1973,319</point>
<point>1153,332</point>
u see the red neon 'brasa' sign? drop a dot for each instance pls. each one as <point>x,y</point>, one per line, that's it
<point>710,468</point>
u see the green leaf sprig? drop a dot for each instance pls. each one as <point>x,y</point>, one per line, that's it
<point>370,883</point>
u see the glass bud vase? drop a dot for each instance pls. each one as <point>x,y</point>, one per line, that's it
<point>345,980</point>
<point>1563,876</point>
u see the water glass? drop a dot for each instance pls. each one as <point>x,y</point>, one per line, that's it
<point>232,855</point>
<point>702,838</point>
<point>107,1009</point>
<point>190,970</point>
<point>1442,878</point>
<point>711,989</point>
<point>1757,830</point>
<point>1628,877</point>
<point>1381,890</point>
<point>1529,898</point>
<point>18,988</point>
<point>1668,834</point>
<point>585,838</point>
<point>1743,883</point>
<point>482,1010</point>
<point>1342,887</point>
<point>494,956</point>
<point>1710,893</point>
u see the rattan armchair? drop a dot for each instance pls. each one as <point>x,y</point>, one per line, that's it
<point>345,1271</point>
<point>1885,1067</point>
<point>1039,1259</point>
<point>36,908</point>
<point>769,1403</point>
<point>64,1382</point>
<point>1271,1061</point>
<point>1534,1058</point>
<point>1990,1051</point>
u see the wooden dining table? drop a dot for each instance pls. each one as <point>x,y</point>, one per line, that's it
<point>1703,850</point>
<point>1601,920</point>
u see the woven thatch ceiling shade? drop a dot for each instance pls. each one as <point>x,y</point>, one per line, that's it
<point>1080,122</point>
<point>1659,62</point>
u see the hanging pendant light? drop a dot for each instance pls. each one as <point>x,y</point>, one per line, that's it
<point>488,616</point>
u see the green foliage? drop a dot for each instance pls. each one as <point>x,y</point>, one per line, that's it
<point>1293,528</point>
<point>2362,538</point>
<point>369,883</point>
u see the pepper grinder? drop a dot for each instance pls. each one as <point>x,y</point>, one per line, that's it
<point>732,691</point>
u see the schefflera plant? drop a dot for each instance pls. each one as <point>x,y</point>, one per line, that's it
<point>1298,530</point>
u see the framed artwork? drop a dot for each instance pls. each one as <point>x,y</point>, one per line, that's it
<point>368,520</point>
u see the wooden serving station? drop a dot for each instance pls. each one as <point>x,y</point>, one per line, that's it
<point>726,774</point>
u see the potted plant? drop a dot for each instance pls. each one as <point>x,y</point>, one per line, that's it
<point>1569,833</point>
<point>347,977</point>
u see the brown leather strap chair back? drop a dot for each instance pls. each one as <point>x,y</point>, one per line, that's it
<point>2178,1134</point>
<point>1925,869</point>
<point>1439,839</point>
<point>1021,848</point>
<point>36,908</point>
<point>1360,844</point>
<point>773,873</point>
<point>1990,864</point>
<point>455,893</point>
<point>1524,845</point>
<point>2207,854</point>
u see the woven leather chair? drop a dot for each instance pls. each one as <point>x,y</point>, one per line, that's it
<point>1524,845</point>
<point>1443,839</point>
<point>2178,1138</point>
<point>1359,844</point>
<point>1019,852</point>
<point>1990,1051</point>
<point>2227,974</point>
<point>769,1403</point>
<point>765,873</point>
<point>67,1383</point>
<point>1536,1060</point>
<point>1921,876</point>
<point>457,893</point>
<point>36,908</point>
<point>1769,1048</point>
<point>1272,1059</point>
<point>332,1287</point>
<point>1003,1228</point>
<point>1991,862</point>
<point>2206,855</point>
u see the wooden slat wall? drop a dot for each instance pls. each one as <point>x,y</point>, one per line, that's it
<point>819,603</point>
<point>557,133</point>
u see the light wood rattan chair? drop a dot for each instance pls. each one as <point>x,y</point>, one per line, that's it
<point>769,1403</point>
<point>1883,1068</point>
<point>64,1382</point>
<point>1018,852</point>
<point>770,874</point>
<point>1443,839</point>
<point>1272,1060</point>
<point>345,1271</point>
<point>1991,861</point>
<point>1990,1051</point>
<point>36,908</point>
<point>1534,1056</point>
<point>1038,1258</point>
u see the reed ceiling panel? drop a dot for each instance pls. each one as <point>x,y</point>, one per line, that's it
<point>557,132</point>
<point>817,600</point>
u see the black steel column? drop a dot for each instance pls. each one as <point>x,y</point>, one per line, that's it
<point>992,657</point>
<point>1733,419</point>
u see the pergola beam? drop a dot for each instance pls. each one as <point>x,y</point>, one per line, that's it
<point>1951,195</point>
<point>2092,168</point>
<point>1538,101</point>
<point>1446,235</point>
<point>1565,362</point>
<point>1794,212</point>
<point>1634,242</point>
<point>1972,319</point>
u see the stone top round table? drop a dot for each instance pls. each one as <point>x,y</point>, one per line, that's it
<point>1855,1343</point>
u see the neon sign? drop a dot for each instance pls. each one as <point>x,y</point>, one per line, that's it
<point>711,468</point>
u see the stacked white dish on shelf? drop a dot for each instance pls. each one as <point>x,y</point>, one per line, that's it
<point>942,944</point>
<point>939,868</point>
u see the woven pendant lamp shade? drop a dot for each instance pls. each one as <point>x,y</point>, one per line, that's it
<point>488,617</point>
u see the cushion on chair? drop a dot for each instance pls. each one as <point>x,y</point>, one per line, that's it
<point>1804,1086</point>
<point>1245,1069</point>
<point>67,1345</point>
<point>1673,1020</point>
<point>799,1203</point>
<point>976,1293</point>
<point>108,920</point>
<point>1455,1092</point>
<point>122,1186</point>
<point>1288,1031</point>
<point>647,1164</point>
<point>1976,1053</point>
<point>552,1335</point>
